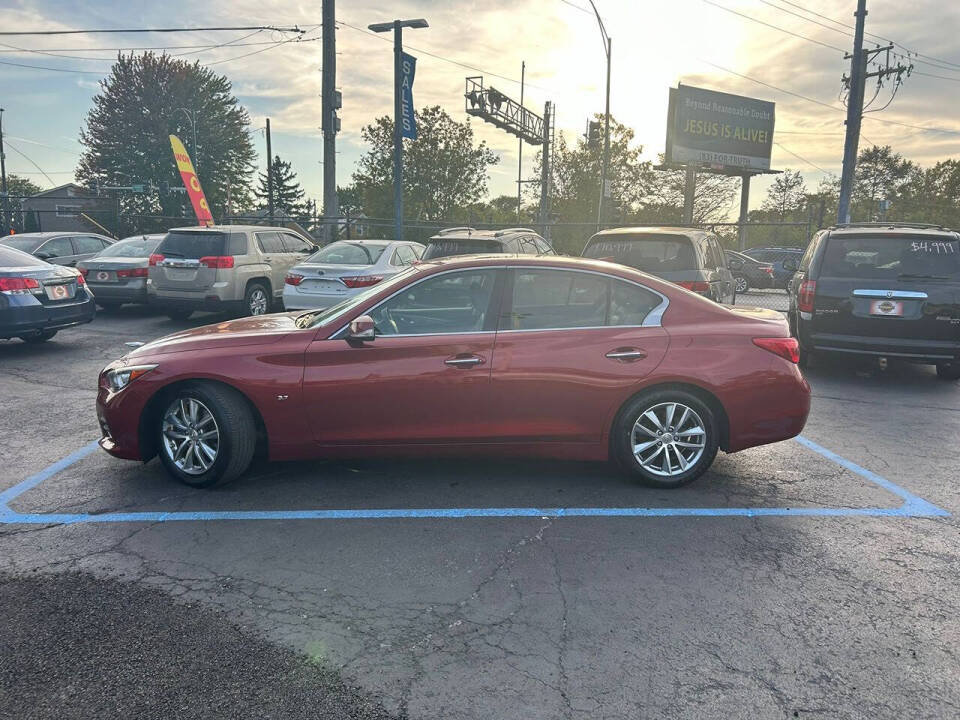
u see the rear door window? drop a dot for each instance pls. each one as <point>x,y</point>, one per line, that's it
<point>192,245</point>
<point>650,253</point>
<point>270,242</point>
<point>83,244</point>
<point>891,257</point>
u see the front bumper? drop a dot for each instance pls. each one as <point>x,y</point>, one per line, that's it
<point>25,315</point>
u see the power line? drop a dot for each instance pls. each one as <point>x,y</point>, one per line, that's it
<point>257,52</point>
<point>938,77</point>
<point>802,159</point>
<point>52,69</point>
<point>774,27</point>
<point>151,30</point>
<point>24,156</point>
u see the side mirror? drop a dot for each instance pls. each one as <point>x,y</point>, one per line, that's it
<point>790,265</point>
<point>362,328</point>
<point>310,250</point>
<point>43,255</point>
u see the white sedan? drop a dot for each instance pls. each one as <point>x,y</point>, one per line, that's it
<point>344,268</point>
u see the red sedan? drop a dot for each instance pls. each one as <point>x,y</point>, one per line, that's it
<point>555,357</point>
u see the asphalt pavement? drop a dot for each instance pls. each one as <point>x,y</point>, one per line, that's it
<point>843,604</point>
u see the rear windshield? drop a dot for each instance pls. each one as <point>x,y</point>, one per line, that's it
<point>348,253</point>
<point>192,245</point>
<point>27,244</point>
<point>651,253</point>
<point>10,258</point>
<point>140,246</point>
<point>449,246</point>
<point>891,257</point>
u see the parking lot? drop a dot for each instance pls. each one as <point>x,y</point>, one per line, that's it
<point>812,578</point>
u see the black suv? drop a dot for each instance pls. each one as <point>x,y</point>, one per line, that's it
<point>467,241</point>
<point>889,290</point>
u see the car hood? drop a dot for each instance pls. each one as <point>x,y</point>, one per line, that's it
<point>260,330</point>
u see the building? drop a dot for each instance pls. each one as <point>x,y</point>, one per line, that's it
<point>64,208</point>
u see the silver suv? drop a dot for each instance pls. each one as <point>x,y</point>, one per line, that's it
<point>236,268</point>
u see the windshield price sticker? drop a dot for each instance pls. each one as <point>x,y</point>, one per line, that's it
<point>936,247</point>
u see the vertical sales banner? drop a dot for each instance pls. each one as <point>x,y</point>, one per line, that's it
<point>408,122</point>
<point>191,183</point>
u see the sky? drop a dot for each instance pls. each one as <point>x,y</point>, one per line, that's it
<point>736,46</point>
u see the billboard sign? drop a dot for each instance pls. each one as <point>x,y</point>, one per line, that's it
<point>707,127</point>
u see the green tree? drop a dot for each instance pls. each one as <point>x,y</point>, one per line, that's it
<point>20,187</point>
<point>880,175</point>
<point>126,136</point>
<point>930,195</point>
<point>786,196</point>
<point>443,170</point>
<point>287,193</point>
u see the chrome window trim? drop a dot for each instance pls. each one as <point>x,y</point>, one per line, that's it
<point>653,319</point>
<point>891,294</point>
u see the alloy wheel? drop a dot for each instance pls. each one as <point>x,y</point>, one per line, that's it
<point>741,285</point>
<point>258,302</point>
<point>191,437</point>
<point>668,439</point>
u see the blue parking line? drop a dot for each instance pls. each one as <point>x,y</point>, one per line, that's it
<point>913,506</point>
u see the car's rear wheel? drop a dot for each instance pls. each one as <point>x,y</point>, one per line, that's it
<point>666,438</point>
<point>207,435</point>
<point>179,314</point>
<point>256,300</point>
<point>948,371</point>
<point>38,337</point>
<point>741,284</point>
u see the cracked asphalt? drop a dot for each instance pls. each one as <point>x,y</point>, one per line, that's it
<point>571,617</point>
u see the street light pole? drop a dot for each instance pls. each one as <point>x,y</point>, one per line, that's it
<point>397,27</point>
<point>605,168</point>
<point>192,117</point>
<point>4,223</point>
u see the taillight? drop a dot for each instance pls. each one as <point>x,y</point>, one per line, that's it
<point>768,269</point>
<point>17,285</point>
<point>293,279</point>
<point>217,261</point>
<point>807,290</point>
<point>132,272</point>
<point>156,258</point>
<point>81,279</point>
<point>83,271</point>
<point>785,347</point>
<point>695,285</point>
<point>358,281</point>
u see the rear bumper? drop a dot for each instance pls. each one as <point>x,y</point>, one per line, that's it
<point>772,410</point>
<point>210,303</point>
<point>25,315</point>
<point>293,300</point>
<point>120,292</point>
<point>912,349</point>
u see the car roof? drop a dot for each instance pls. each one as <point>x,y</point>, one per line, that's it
<point>659,230</point>
<point>468,233</point>
<point>365,241</point>
<point>787,248</point>
<point>45,235</point>
<point>891,228</point>
<point>230,228</point>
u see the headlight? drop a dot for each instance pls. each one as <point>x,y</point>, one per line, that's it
<point>119,378</point>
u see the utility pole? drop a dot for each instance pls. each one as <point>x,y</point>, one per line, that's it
<point>689,193</point>
<point>269,175</point>
<point>855,110</point>
<point>330,123</point>
<point>523,73</point>
<point>605,167</point>
<point>4,221</point>
<point>545,170</point>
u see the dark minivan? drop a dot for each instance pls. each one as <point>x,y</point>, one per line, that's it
<point>691,258</point>
<point>889,290</point>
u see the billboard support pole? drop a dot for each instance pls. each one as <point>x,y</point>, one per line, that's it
<point>744,208</point>
<point>689,192</point>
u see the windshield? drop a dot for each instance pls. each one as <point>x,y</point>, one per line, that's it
<point>321,317</point>
<point>348,253</point>
<point>891,257</point>
<point>652,253</point>
<point>448,247</point>
<point>25,243</point>
<point>192,245</point>
<point>140,246</point>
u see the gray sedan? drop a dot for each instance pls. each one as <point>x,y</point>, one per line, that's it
<point>118,274</point>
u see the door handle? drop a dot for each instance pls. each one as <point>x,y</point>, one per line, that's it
<point>464,362</point>
<point>626,354</point>
<point>268,260</point>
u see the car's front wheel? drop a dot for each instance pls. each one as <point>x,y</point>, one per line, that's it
<point>38,337</point>
<point>741,284</point>
<point>948,371</point>
<point>256,300</point>
<point>207,435</point>
<point>666,438</point>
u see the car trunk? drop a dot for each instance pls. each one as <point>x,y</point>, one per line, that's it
<point>900,287</point>
<point>56,285</point>
<point>104,270</point>
<point>181,269</point>
<point>320,279</point>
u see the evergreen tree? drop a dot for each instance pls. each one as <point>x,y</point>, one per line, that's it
<point>287,193</point>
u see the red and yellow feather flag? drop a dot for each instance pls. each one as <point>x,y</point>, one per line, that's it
<point>191,182</point>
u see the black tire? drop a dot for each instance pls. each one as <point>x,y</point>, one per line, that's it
<point>237,434</point>
<point>39,337</point>
<point>109,307</point>
<point>740,284</point>
<point>806,358</point>
<point>948,371</point>
<point>179,314</point>
<point>256,297</point>
<point>623,434</point>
